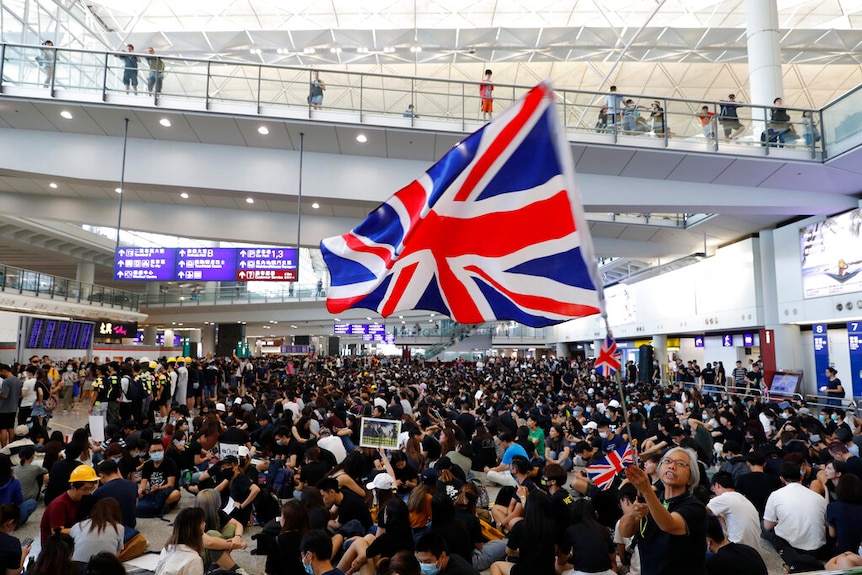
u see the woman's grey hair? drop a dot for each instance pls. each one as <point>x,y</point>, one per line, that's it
<point>210,501</point>
<point>693,468</point>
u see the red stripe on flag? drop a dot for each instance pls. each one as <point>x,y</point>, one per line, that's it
<point>401,283</point>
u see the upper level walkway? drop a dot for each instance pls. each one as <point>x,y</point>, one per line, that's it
<point>648,121</point>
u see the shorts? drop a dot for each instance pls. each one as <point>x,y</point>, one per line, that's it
<point>487,105</point>
<point>317,100</point>
<point>7,420</point>
<point>130,75</point>
<point>730,125</point>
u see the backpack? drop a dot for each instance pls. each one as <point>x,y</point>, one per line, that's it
<point>484,501</point>
<point>136,390</point>
<point>282,483</point>
<point>266,507</point>
<point>266,537</point>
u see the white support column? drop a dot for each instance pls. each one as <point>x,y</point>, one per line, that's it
<point>764,58</point>
<point>562,350</point>
<point>150,332</point>
<point>659,346</point>
<point>86,274</point>
<point>788,339</point>
<point>597,348</point>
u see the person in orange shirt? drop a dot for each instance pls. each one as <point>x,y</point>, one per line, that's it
<point>486,92</point>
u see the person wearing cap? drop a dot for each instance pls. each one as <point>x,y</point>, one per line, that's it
<point>10,397</point>
<point>242,490</point>
<point>21,440</point>
<point>61,511</point>
<point>157,489</point>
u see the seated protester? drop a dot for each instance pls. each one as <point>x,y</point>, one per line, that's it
<point>726,557</point>
<point>406,476</point>
<point>157,489</point>
<point>58,476</point>
<point>313,470</point>
<point>627,551</point>
<point>348,505</point>
<point>10,490</point>
<point>500,474</point>
<point>735,463</point>
<point>586,544</point>
<point>737,513</point>
<point>21,440</point>
<point>757,485</point>
<point>32,477</point>
<point>610,440</point>
<point>554,481</point>
<point>844,516</point>
<point>448,482</point>
<point>283,557</point>
<point>102,531</point>
<point>557,448</point>
<point>56,555</point>
<point>509,505</point>
<point>222,534</point>
<point>242,490</point>
<point>431,551</point>
<point>182,552</point>
<point>453,531</point>
<point>419,502</point>
<point>61,512</point>
<point>395,535</point>
<point>315,551</point>
<point>532,541</point>
<point>125,492</point>
<point>12,555</point>
<point>485,552</point>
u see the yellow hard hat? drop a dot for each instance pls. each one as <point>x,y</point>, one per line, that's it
<point>83,473</point>
<point>153,364</point>
<point>172,360</point>
<point>189,360</point>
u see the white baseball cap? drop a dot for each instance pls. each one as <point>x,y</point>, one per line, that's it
<point>381,481</point>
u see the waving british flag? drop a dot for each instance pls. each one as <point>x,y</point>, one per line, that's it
<point>603,472</point>
<point>608,361</point>
<point>494,230</point>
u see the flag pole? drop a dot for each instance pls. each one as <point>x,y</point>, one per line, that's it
<point>623,402</point>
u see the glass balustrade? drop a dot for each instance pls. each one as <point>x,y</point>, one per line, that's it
<point>20,281</point>
<point>439,104</point>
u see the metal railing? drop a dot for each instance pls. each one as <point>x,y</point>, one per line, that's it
<point>439,104</point>
<point>233,294</point>
<point>30,283</point>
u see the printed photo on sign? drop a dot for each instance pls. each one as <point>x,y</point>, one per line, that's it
<point>379,433</point>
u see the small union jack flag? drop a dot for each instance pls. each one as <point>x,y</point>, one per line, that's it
<point>608,361</point>
<point>494,230</point>
<point>604,472</point>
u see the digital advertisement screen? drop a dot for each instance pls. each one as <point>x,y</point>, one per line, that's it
<point>831,255</point>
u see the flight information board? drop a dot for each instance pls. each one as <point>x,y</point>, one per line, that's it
<point>206,264</point>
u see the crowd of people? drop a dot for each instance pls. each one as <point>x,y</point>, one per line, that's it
<point>488,472</point>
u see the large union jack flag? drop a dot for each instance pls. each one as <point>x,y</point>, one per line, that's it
<point>608,361</point>
<point>606,469</point>
<point>494,230</point>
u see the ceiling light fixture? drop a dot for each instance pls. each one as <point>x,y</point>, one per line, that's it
<point>308,51</point>
<point>361,138</point>
<point>184,195</point>
<point>118,190</point>
<point>66,114</point>
<point>263,131</point>
<point>315,205</point>
<point>165,122</point>
<point>415,49</point>
<point>249,200</point>
<point>52,185</point>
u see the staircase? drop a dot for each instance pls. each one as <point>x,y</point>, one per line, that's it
<point>461,337</point>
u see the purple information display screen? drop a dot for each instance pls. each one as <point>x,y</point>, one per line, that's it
<point>145,264</point>
<point>206,264</point>
<point>266,264</point>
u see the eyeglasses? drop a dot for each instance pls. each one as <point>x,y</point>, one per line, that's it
<point>675,462</point>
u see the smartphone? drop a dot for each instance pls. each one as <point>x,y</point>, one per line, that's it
<point>27,542</point>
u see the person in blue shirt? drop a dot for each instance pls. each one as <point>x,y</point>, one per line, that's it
<point>610,440</point>
<point>130,70</point>
<point>500,474</point>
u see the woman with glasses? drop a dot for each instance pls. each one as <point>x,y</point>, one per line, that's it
<point>670,529</point>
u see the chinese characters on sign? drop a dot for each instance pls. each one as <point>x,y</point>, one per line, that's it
<point>206,264</point>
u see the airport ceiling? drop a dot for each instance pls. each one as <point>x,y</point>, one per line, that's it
<point>694,49</point>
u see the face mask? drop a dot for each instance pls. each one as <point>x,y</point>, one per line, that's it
<point>308,569</point>
<point>178,442</point>
<point>749,440</point>
<point>785,415</point>
<point>429,568</point>
<point>823,418</point>
<point>691,405</point>
<point>117,459</point>
<point>157,455</point>
<point>667,397</point>
<point>589,409</point>
<point>282,442</point>
<point>69,368</point>
<point>634,412</point>
<point>603,434</point>
<point>834,417</point>
<point>704,416</point>
<point>815,438</point>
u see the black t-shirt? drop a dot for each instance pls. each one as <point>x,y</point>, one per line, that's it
<point>459,566</point>
<point>467,422</point>
<point>283,557</point>
<point>234,436</point>
<point>561,506</point>
<point>313,471</point>
<point>432,447</point>
<point>193,450</point>
<point>126,494</point>
<point>756,487</point>
<point>457,539</point>
<point>58,478</point>
<point>665,554</point>
<point>846,518</point>
<point>588,550</point>
<point>471,522</point>
<point>738,559</point>
<point>158,476</point>
<point>407,473</point>
<point>388,544</point>
<point>353,507</point>
<point>532,559</point>
<point>10,552</point>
